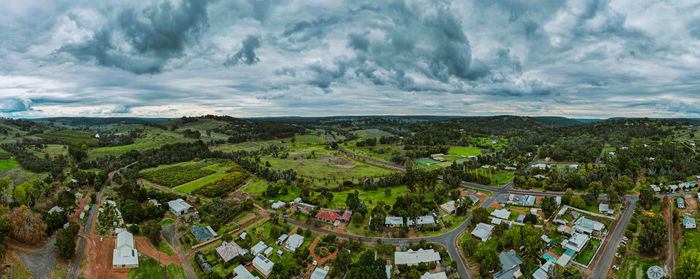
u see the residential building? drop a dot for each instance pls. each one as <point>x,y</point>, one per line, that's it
<point>543,271</point>
<point>557,199</point>
<point>281,239</point>
<point>411,257</point>
<point>278,205</point>
<point>546,239</point>
<point>346,216</point>
<point>539,176</point>
<point>473,198</point>
<point>510,265</point>
<point>328,216</point>
<point>439,275</point>
<point>393,221</point>
<point>179,207</point>
<point>268,251</point>
<point>202,233</point>
<point>588,226</point>
<point>229,250</point>
<point>501,213</point>
<point>242,273</point>
<point>243,235</point>
<point>689,223</point>
<point>124,254</point>
<point>483,231</point>
<point>263,264</point>
<point>576,242</point>
<point>521,218</point>
<point>605,209</point>
<point>258,248</point>
<point>295,241</point>
<point>680,202</point>
<point>55,209</point>
<point>422,221</point>
<point>203,263</point>
<point>320,273</point>
<point>566,230</point>
<point>448,207</point>
<point>305,207</point>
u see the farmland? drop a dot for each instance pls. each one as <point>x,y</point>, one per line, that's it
<point>176,175</point>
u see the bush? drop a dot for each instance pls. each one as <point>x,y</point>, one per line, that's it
<point>331,248</point>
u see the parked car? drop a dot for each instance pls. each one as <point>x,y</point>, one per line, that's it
<point>615,268</point>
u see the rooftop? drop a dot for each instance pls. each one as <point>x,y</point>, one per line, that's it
<point>411,257</point>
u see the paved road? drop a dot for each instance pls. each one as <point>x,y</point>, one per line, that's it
<point>610,248</point>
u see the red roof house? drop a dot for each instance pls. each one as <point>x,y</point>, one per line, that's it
<point>327,215</point>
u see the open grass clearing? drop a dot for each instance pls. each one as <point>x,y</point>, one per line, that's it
<point>8,164</point>
<point>148,268</point>
<point>635,267</point>
<point>691,239</point>
<point>199,183</point>
<point>328,167</point>
<point>586,255</point>
<point>154,139</point>
<point>176,271</point>
<point>464,151</point>
<point>76,137</point>
<point>371,198</point>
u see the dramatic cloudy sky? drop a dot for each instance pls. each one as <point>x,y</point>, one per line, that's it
<point>168,58</point>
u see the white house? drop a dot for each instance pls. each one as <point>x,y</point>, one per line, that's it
<point>689,222</point>
<point>320,273</point>
<point>179,207</point>
<point>124,254</point>
<point>258,248</point>
<point>482,231</point>
<point>243,273</point>
<point>439,275</point>
<point>263,264</point>
<point>576,242</point>
<point>411,257</point>
<point>501,213</point>
<point>278,205</point>
<point>393,221</point>
<point>448,207</point>
<point>293,242</point>
<point>588,226</point>
<point>422,220</point>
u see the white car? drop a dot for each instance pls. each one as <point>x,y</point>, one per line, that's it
<point>615,268</point>
<point>625,238</point>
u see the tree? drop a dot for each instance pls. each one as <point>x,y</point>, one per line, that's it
<point>613,196</point>
<point>652,235</point>
<point>66,200</point>
<point>578,202</point>
<point>687,265</point>
<point>341,263</point>
<point>152,231</point>
<point>488,257</point>
<point>549,205</point>
<point>227,237</point>
<point>595,188</point>
<point>132,211</point>
<point>55,220</point>
<point>567,196</point>
<point>530,218</point>
<point>532,241</point>
<point>25,225</point>
<point>481,215</point>
<point>65,244</point>
<point>469,246</point>
<point>367,267</point>
<point>646,197</point>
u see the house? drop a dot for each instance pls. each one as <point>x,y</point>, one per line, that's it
<point>258,248</point>
<point>673,187</point>
<point>305,207</point>
<point>202,233</point>
<point>325,215</point>
<point>297,200</point>
<point>573,166</point>
<point>295,241</point>
<point>576,242</point>
<point>604,208</point>
<point>124,254</point>
<point>242,273</point>
<point>565,258</point>
<point>473,198</point>
<point>268,251</point>
<point>179,207</point>
<point>229,250</point>
<point>411,257</point>
<point>281,239</point>
<point>243,235</point>
<point>203,263</point>
<point>422,221</point>
<point>521,218</point>
<point>689,222</point>
<point>543,271</point>
<point>346,216</point>
<point>501,213</point>
<point>546,239</point>
<point>510,265</point>
<point>483,231</point>
<point>588,226</point>
<point>680,202</point>
<point>393,221</point>
<point>539,176</point>
<point>448,207</point>
<point>439,275</point>
<point>278,205</point>
<point>263,264</point>
<point>656,188</point>
<point>320,273</point>
<point>565,230</point>
<point>55,209</point>
<point>527,200</point>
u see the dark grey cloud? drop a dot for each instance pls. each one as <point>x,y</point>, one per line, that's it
<point>246,54</point>
<point>144,40</point>
<point>173,57</point>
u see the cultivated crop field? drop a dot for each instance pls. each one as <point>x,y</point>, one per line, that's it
<point>223,185</point>
<point>176,175</point>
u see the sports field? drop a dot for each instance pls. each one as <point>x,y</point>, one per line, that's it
<point>427,161</point>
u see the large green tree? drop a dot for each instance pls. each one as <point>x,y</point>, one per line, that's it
<point>549,205</point>
<point>481,215</point>
<point>646,197</point>
<point>152,231</point>
<point>652,235</point>
<point>688,265</point>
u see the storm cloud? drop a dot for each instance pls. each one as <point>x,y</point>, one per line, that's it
<point>577,58</point>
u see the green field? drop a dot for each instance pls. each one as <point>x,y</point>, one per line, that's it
<point>176,175</point>
<point>464,151</point>
<point>369,197</point>
<point>609,149</point>
<point>586,255</point>
<point>167,222</point>
<point>246,146</point>
<point>321,168</point>
<point>371,133</point>
<point>691,239</point>
<point>147,269</point>
<point>165,248</point>
<point>501,177</point>
<point>8,164</point>
<point>75,137</point>
<point>194,185</point>
<point>153,140</point>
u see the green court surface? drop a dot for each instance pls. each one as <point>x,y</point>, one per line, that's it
<point>427,161</point>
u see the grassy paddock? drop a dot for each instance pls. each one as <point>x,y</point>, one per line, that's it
<point>8,164</point>
<point>194,185</point>
<point>148,268</point>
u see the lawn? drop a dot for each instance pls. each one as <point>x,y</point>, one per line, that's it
<point>176,272</point>
<point>147,269</point>
<point>369,197</point>
<point>635,267</point>
<point>8,164</point>
<point>464,151</point>
<point>167,222</point>
<point>165,248</point>
<point>322,168</point>
<point>194,185</point>
<point>501,177</point>
<point>247,146</point>
<point>609,149</point>
<point>586,255</point>
<point>691,239</point>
